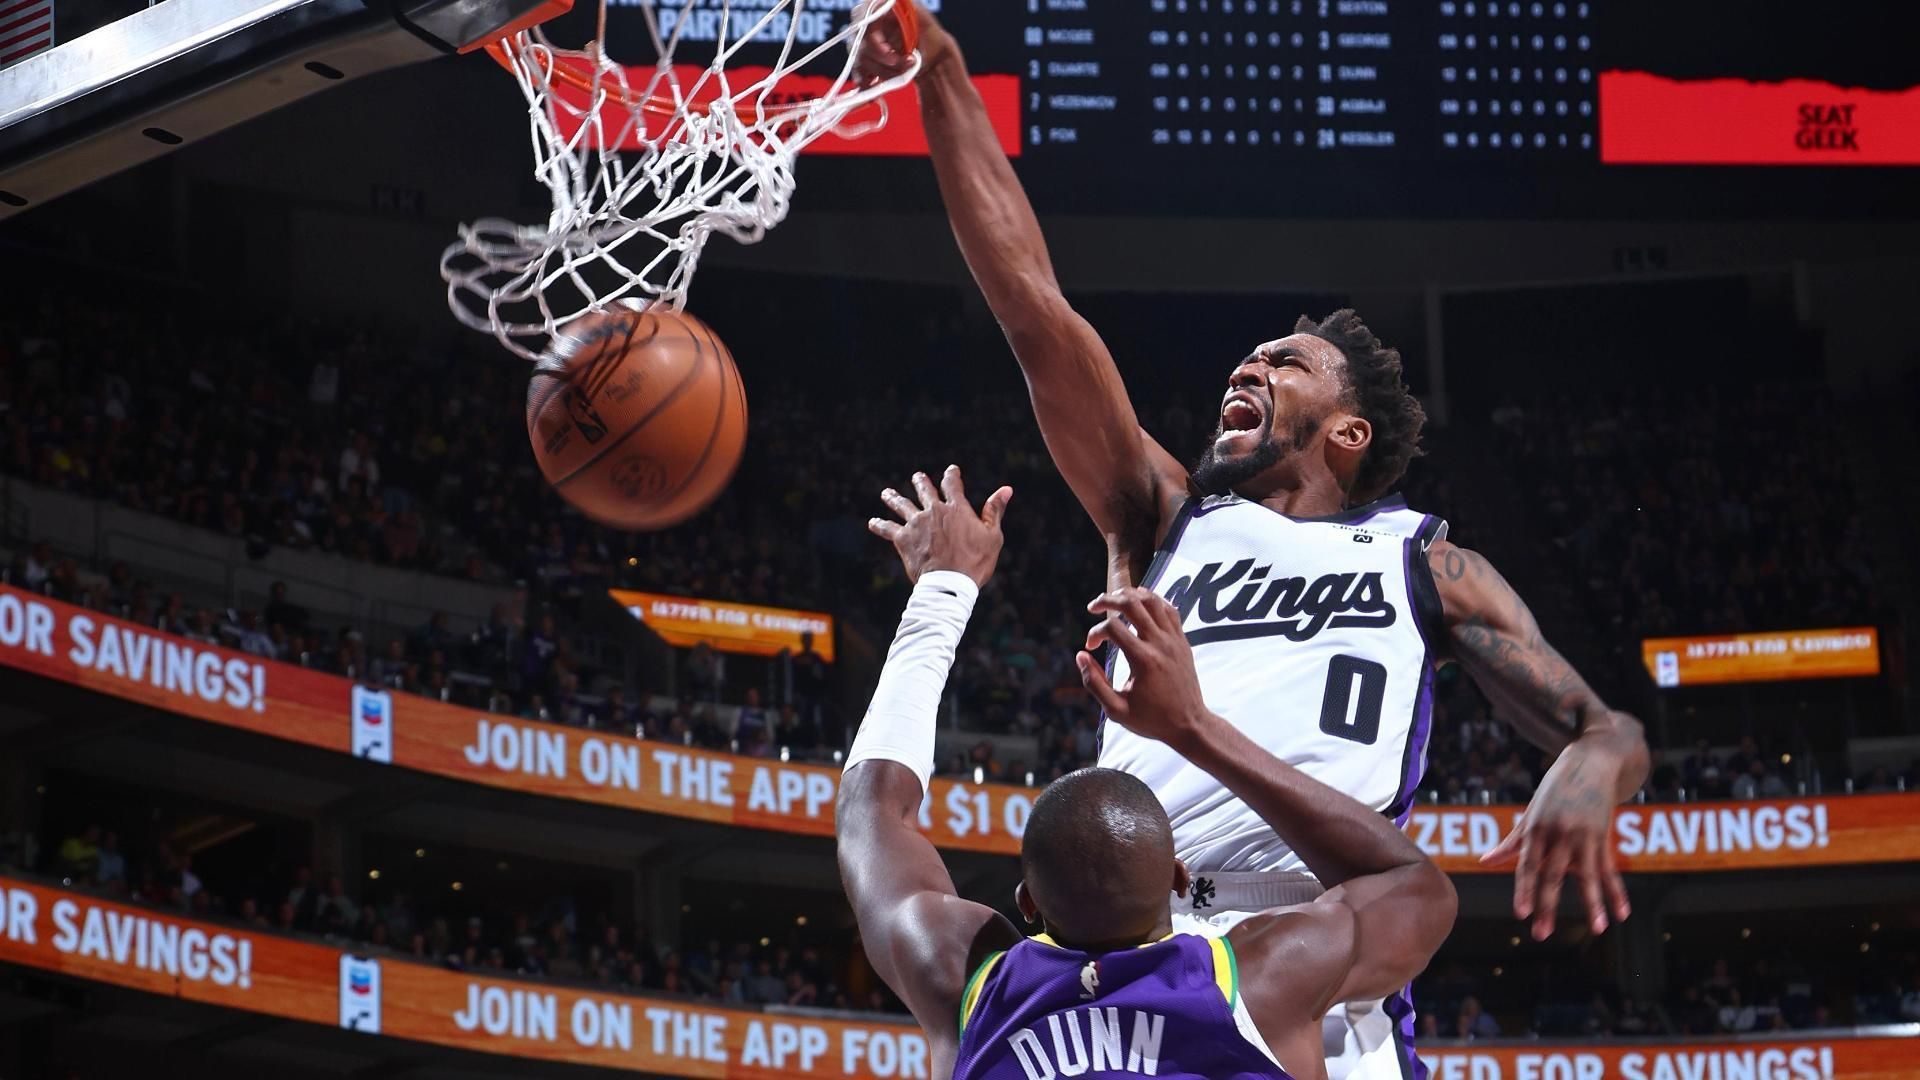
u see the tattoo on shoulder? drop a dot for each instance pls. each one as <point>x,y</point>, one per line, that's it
<point>1458,564</point>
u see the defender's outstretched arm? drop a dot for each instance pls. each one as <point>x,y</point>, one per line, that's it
<point>920,936</point>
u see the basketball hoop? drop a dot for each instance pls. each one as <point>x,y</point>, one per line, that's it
<point>645,163</point>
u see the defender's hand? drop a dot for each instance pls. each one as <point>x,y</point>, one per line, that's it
<point>1161,699</point>
<point>1567,831</point>
<point>942,532</point>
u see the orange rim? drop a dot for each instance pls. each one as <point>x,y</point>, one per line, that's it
<point>657,105</point>
<point>653,104</point>
<point>909,20</point>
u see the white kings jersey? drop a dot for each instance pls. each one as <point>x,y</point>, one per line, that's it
<point>1311,635</point>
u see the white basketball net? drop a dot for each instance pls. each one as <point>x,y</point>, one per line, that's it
<point>713,153</point>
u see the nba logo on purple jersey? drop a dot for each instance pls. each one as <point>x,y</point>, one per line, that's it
<point>1040,1012</point>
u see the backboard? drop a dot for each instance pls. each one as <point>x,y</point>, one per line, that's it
<point>181,70</point>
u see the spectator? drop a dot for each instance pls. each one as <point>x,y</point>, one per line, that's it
<point>190,885</point>
<point>283,612</point>
<point>37,571</point>
<point>706,673</point>
<point>323,384</point>
<point>251,638</point>
<point>250,914</point>
<point>337,913</point>
<point>80,853</point>
<point>110,865</point>
<point>302,899</point>
<point>563,960</point>
<point>393,668</point>
<point>763,986</point>
<point>753,732</point>
<point>435,637</point>
<point>800,991</point>
<point>810,679</point>
<point>398,915</point>
<point>1759,782</point>
<point>1473,1022</point>
<point>796,729</point>
<point>357,464</point>
<point>618,714</point>
<point>1736,1016</point>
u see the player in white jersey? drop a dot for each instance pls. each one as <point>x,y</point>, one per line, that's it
<point>1316,606</point>
<point>1312,637</point>
<point>1330,617</point>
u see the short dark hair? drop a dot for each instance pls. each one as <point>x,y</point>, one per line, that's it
<point>1379,391</point>
<point>1097,854</point>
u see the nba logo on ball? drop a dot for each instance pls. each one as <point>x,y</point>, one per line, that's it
<point>1666,669</point>
<point>373,725</point>
<point>360,994</point>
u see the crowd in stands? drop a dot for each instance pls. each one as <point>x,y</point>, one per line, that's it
<point>1720,511</point>
<point>1473,758</point>
<point>1761,990</point>
<point>1717,510</point>
<point>504,666</point>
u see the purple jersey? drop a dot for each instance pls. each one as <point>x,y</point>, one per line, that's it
<point>1040,1011</point>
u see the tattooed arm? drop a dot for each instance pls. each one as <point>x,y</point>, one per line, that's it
<point>1568,828</point>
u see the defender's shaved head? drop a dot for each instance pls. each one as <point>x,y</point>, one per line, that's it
<point>1098,858</point>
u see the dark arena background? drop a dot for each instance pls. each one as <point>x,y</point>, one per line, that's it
<point>334,744</point>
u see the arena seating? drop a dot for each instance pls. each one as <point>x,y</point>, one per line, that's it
<point>341,447</point>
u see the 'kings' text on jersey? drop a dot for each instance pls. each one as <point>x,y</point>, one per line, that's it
<point>1292,607</point>
<point>1311,635</point>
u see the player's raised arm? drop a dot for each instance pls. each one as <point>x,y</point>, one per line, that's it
<point>1120,474</point>
<point>1568,828</point>
<point>921,937</point>
<point>1387,908</point>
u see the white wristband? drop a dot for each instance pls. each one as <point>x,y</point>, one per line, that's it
<point>900,722</point>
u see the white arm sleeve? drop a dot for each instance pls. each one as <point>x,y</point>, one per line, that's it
<point>900,722</point>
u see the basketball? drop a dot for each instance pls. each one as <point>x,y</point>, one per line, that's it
<point>644,424</point>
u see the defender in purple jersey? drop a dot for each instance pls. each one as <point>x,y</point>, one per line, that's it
<point>1042,1010</point>
<point>1108,989</point>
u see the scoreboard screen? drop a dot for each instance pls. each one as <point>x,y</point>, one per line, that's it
<point>1424,108</point>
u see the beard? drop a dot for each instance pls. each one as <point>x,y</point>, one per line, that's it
<point>1216,475</point>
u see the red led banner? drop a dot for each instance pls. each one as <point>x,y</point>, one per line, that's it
<point>1646,119</point>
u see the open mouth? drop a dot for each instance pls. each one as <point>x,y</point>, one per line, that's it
<point>1241,412</point>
